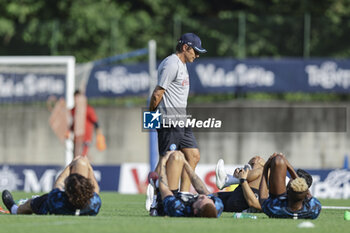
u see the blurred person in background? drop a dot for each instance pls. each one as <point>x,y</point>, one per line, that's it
<point>84,121</point>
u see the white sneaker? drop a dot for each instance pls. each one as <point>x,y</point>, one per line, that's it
<point>220,174</point>
<point>149,198</point>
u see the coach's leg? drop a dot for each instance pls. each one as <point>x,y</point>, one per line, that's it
<point>192,156</point>
<point>278,172</point>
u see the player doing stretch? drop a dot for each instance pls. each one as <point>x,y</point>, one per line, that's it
<point>245,196</point>
<point>170,98</point>
<point>76,192</point>
<point>293,201</point>
<point>178,204</point>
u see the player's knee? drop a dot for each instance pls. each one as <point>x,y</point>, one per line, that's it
<point>177,156</point>
<point>279,160</point>
<point>82,162</point>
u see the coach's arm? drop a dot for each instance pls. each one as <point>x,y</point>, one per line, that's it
<point>156,97</point>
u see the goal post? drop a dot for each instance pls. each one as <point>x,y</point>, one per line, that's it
<point>41,70</point>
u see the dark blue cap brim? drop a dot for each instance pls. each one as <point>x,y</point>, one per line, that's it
<point>200,50</point>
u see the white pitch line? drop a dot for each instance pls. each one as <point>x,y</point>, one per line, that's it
<point>336,207</point>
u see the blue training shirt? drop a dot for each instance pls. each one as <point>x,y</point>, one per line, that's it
<point>57,203</point>
<point>277,207</point>
<point>180,205</point>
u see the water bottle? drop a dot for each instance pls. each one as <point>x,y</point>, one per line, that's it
<point>244,215</point>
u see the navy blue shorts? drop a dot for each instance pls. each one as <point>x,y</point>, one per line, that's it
<point>39,204</point>
<point>235,201</point>
<point>175,139</point>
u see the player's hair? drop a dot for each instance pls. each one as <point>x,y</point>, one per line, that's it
<point>207,211</point>
<point>179,47</point>
<point>297,190</point>
<point>304,174</point>
<point>299,185</point>
<point>79,190</point>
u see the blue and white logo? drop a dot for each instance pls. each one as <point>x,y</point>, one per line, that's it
<point>151,120</point>
<point>172,147</point>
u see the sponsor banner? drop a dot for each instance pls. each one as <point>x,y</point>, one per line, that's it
<point>270,75</point>
<point>121,80</point>
<point>226,75</point>
<point>131,178</point>
<point>42,178</point>
<point>334,184</point>
<point>30,86</point>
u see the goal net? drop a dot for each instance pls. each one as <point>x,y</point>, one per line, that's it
<point>26,83</point>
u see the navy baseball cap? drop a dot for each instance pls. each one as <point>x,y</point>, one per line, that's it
<point>192,40</point>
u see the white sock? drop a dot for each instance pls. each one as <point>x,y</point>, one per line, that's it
<point>230,179</point>
<point>154,202</point>
<point>14,209</point>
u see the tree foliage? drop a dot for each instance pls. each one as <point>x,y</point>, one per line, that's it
<point>91,30</point>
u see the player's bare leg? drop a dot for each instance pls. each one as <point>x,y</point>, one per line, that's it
<point>174,169</point>
<point>25,208</point>
<point>192,156</point>
<point>278,172</point>
<point>80,166</point>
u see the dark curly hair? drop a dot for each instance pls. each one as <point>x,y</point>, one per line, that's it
<point>79,190</point>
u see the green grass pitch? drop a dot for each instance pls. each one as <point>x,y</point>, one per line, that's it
<point>126,213</point>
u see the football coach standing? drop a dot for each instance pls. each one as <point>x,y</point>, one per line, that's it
<point>170,96</point>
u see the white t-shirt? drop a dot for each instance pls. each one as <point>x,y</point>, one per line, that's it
<point>173,77</point>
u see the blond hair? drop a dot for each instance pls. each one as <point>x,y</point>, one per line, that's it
<point>299,185</point>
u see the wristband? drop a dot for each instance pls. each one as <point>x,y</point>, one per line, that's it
<point>242,180</point>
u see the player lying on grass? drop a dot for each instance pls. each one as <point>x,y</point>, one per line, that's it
<point>246,194</point>
<point>179,204</point>
<point>76,192</point>
<point>293,201</point>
